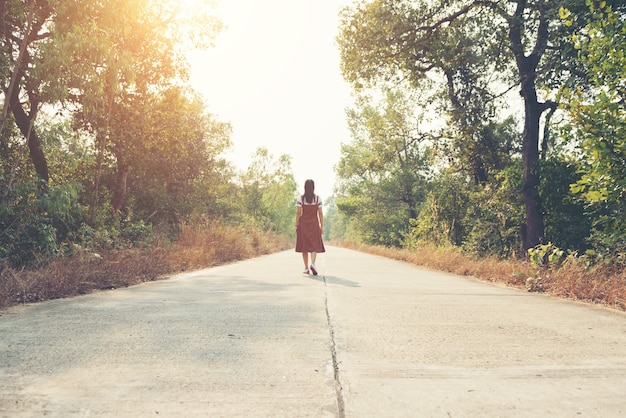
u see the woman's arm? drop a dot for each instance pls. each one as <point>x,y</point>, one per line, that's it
<point>298,215</point>
<point>320,216</point>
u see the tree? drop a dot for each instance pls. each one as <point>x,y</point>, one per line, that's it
<point>269,192</point>
<point>24,27</point>
<point>334,221</point>
<point>382,171</point>
<point>598,122</point>
<point>440,221</point>
<point>83,54</point>
<point>567,224</point>
<point>388,40</point>
<point>140,56</point>
<point>481,218</point>
<point>158,163</point>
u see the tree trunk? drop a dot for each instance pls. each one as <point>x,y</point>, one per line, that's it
<point>25,124</point>
<point>530,161</point>
<point>470,131</point>
<point>119,194</point>
<point>527,69</point>
<point>121,178</point>
<point>15,73</point>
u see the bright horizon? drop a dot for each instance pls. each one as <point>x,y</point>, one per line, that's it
<point>274,75</point>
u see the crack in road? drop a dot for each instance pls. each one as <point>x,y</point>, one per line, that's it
<point>333,352</point>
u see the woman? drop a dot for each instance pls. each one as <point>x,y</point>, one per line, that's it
<point>309,226</point>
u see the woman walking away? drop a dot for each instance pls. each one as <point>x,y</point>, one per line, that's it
<point>309,226</point>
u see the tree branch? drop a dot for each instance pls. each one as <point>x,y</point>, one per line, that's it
<point>542,38</point>
<point>515,31</point>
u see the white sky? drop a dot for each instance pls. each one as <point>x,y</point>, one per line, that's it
<point>274,75</point>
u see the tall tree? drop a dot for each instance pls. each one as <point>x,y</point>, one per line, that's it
<point>387,40</point>
<point>269,191</point>
<point>598,121</point>
<point>141,54</point>
<point>87,54</point>
<point>161,164</point>
<point>24,27</point>
<point>381,172</point>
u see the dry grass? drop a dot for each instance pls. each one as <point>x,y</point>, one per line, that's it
<point>198,247</point>
<point>201,246</point>
<point>571,280</point>
<point>600,284</point>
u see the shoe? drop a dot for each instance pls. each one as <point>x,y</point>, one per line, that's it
<point>313,270</point>
<point>305,271</point>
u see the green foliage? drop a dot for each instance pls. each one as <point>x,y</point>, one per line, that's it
<point>546,255</point>
<point>34,225</point>
<point>173,170</point>
<point>566,223</point>
<point>130,149</point>
<point>268,193</point>
<point>440,220</point>
<point>335,223</point>
<point>382,171</point>
<point>601,257</point>
<point>373,221</point>
<point>469,50</point>
<point>483,219</point>
<point>496,214</point>
<point>111,237</point>
<point>598,124</point>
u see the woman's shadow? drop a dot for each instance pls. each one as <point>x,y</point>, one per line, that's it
<point>335,280</point>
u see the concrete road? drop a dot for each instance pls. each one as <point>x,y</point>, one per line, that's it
<point>368,337</point>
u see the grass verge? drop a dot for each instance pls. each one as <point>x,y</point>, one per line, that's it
<point>210,245</point>
<point>600,284</point>
<point>197,247</point>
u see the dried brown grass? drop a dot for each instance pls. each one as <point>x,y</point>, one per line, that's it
<point>600,284</point>
<point>206,245</point>
<point>198,246</point>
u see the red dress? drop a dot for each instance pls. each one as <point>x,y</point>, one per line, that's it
<point>308,234</point>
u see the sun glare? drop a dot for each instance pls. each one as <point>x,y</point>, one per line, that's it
<point>274,75</point>
<point>191,6</point>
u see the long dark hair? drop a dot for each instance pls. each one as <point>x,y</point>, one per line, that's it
<point>309,191</point>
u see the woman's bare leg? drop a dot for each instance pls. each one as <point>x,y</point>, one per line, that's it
<point>305,258</point>
<point>313,268</point>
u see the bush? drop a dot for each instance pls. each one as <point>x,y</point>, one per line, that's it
<point>35,224</point>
